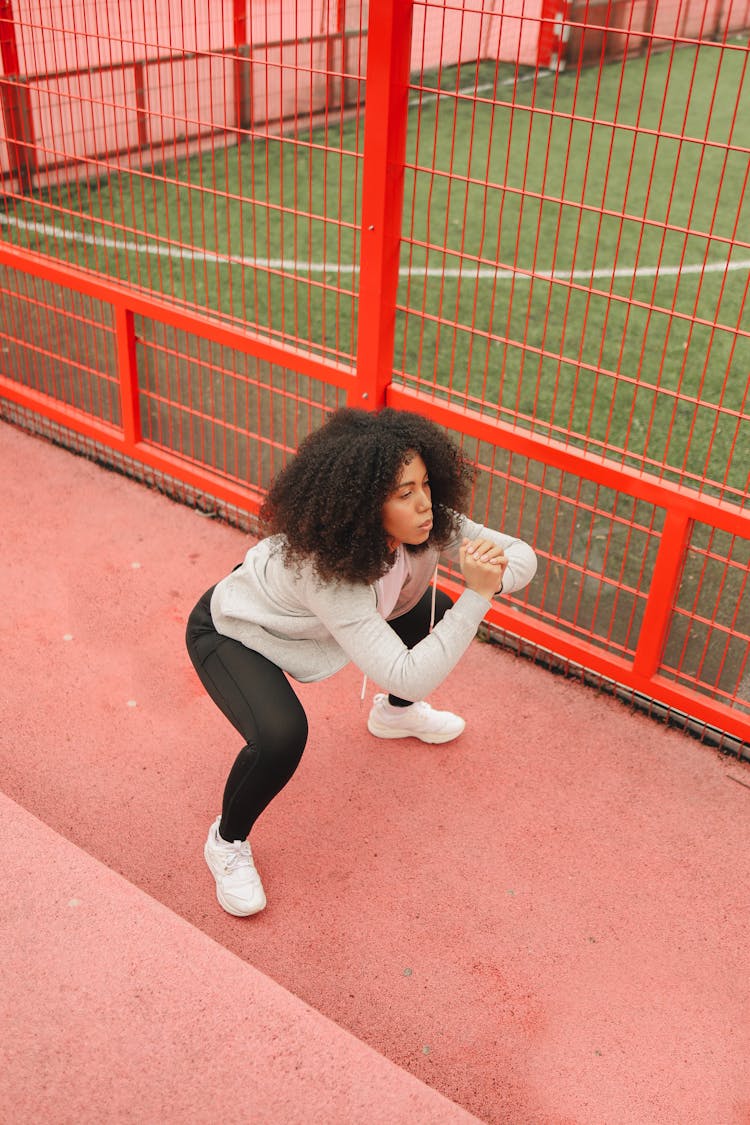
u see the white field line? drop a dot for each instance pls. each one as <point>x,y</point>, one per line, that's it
<point>290,265</point>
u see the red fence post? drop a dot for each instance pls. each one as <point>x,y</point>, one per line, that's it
<point>242,85</point>
<point>335,84</point>
<point>127,370</point>
<point>14,101</point>
<point>139,85</point>
<point>386,109</point>
<point>662,594</point>
<point>554,31</point>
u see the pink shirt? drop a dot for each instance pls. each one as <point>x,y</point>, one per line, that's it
<point>389,586</point>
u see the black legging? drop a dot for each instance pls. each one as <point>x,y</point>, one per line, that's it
<point>260,703</point>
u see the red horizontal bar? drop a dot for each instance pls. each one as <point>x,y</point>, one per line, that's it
<point>187,472</point>
<point>588,466</point>
<point>188,320</point>
<point>164,57</point>
<point>662,691</point>
<point>69,416</point>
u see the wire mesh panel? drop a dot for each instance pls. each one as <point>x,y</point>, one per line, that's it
<point>228,411</point>
<point>709,640</point>
<point>596,547</point>
<point>576,257</point>
<point>210,154</point>
<point>575,265</point>
<point>60,344</point>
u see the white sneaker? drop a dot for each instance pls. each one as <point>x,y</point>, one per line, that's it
<point>417,721</point>
<point>238,886</point>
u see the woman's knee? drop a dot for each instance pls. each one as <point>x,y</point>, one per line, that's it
<point>286,737</point>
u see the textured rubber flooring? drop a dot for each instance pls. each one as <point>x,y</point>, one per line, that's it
<point>545,922</point>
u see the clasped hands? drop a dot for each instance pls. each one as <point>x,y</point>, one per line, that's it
<point>483,565</point>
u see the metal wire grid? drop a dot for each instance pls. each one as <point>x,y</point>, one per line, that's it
<point>709,640</point>
<point>596,547</point>
<point>260,222</point>
<point>228,411</point>
<point>597,552</point>
<point>60,343</point>
<point>501,310</point>
<point>574,256</point>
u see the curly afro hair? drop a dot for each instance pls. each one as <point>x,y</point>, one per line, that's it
<point>327,502</point>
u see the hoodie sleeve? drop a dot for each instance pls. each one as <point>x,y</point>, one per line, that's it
<point>350,614</point>
<point>521,557</point>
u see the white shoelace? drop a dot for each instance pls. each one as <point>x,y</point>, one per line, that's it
<point>238,855</point>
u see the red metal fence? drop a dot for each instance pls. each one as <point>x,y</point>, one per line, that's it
<point>527,222</point>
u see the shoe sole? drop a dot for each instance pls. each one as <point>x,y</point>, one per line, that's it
<point>223,903</point>
<point>396,732</point>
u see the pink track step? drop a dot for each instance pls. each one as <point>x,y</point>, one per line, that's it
<point>115,1010</point>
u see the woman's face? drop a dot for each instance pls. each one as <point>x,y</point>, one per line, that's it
<point>407,513</point>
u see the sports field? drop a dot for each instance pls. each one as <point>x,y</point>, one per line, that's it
<point>575,254</point>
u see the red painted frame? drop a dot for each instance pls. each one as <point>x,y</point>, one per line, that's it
<point>683,507</point>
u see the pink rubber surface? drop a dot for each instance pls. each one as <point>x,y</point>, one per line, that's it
<point>545,921</point>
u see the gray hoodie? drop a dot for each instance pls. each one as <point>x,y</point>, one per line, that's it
<point>312,628</point>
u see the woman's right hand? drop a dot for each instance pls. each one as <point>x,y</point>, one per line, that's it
<point>483,565</point>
